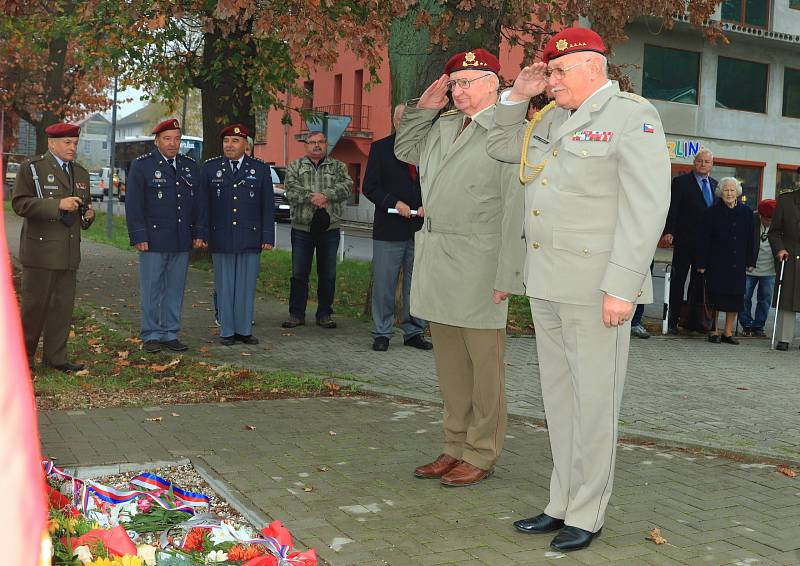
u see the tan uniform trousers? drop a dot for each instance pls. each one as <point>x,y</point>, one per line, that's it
<point>786,323</point>
<point>582,365</point>
<point>47,299</point>
<point>469,364</point>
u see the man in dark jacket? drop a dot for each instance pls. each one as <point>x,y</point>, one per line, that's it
<point>784,236</point>
<point>692,194</point>
<point>394,188</point>
<point>236,220</point>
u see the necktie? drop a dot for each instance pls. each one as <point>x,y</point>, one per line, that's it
<point>412,170</point>
<point>706,191</point>
<point>234,167</point>
<point>172,163</point>
<point>65,167</point>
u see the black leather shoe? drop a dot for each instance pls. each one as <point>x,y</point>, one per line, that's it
<point>380,344</point>
<point>67,367</point>
<point>573,538</point>
<point>227,340</point>
<point>714,338</point>
<point>729,340</point>
<point>175,345</point>
<point>293,322</point>
<point>782,346</point>
<point>326,322</point>
<point>539,524</point>
<point>152,346</point>
<point>417,341</point>
<point>248,339</point>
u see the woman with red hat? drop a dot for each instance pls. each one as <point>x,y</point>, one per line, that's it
<point>763,276</point>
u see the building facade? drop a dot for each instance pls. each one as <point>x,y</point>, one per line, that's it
<point>93,152</point>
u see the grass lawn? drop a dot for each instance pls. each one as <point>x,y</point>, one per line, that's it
<point>117,373</point>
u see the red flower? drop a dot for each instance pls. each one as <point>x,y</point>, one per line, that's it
<point>194,539</point>
<point>245,552</point>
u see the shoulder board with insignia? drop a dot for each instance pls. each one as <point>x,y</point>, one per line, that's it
<point>35,158</point>
<point>187,157</point>
<point>452,112</point>
<point>258,160</point>
<point>145,156</point>
<point>210,159</point>
<point>632,96</point>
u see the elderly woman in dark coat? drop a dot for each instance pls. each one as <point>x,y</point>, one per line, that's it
<point>726,255</point>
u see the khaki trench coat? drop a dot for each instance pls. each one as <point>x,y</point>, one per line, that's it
<point>784,234</point>
<point>594,214</point>
<point>471,242</point>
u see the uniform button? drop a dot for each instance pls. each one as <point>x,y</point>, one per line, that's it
<point>234,222</point>
<point>535,245</point>
<point>640,294</point>
<point>41,239</point>
<point>585,251</point>
<point>234,198</point>
<point>179,219</point>
<point>584,153</point>
<point>536,212</point>
<point>544,181</point>
<point>154,225</point>
<point>179,208</point>
<point>234,210</point>
<point>179,195</point>
<point>71,235</point>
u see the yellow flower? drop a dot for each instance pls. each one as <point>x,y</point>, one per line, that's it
<point>52,526</point>
<point>104,562</point>
<point>129,560</point>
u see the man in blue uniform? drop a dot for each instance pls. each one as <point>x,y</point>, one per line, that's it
<point>159,208</point>
<point>235,218</point>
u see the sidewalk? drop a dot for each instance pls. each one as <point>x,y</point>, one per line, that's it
<point>366,508</point>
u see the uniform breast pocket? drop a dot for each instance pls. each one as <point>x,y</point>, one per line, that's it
<point>585,162</point>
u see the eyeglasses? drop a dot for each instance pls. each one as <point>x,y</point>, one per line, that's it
<point>316,142</point>
<point>560,73</point>
<point>464,83</point>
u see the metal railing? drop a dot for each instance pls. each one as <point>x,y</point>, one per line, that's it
<point>359,114</point>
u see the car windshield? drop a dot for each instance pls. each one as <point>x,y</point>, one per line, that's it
<point>276,180</point>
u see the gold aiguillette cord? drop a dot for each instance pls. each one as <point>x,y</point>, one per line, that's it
<point>523,161</point>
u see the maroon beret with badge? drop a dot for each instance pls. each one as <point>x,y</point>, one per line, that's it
<point>171,124</point>
<point>235,130</point>
<point>477,59</point>
<point>63,130</point>
<point>572,40</point>
<point>766,207</point>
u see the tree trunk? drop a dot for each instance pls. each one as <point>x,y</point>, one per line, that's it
<point>53,90</point>
<point>226,97</point>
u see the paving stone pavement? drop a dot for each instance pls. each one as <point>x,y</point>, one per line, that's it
<point>364,506</point>
<point>679,391</point>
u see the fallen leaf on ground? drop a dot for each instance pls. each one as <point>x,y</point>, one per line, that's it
<point>287,334</point>
<point>787,471</point>
<point>173,363</point>
<point>82,372</point>
<point>246,354</point>
<point>308,488</point>
<point>175,414</point>
<point>203,349</point>
<point>72,334</point>
<point>123,354</point>
<point>332,432</point>
<point>154,419</point>
<point>743,388</point>
<point>324,469</point>
<point>656,537</point>
<point>249,427</point>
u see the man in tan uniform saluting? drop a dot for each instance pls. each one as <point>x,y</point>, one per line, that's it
<point>469,256</point>
<point>597,177</point>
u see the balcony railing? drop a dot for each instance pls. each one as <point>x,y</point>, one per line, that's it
<point>359,118</point>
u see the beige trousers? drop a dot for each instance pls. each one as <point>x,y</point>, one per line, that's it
<point>469,364</point>
<point>786,322</point>
<point>582,366</point>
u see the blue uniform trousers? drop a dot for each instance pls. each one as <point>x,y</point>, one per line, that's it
<point>387,258</point>
<point>162,280</point>
<point>235,285</point>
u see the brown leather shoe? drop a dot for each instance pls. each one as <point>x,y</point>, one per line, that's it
<point>465,474</point>
<point>436,469</point>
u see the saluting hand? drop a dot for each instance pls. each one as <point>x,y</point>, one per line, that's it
<point>530,82</point>
<point>435,96</point>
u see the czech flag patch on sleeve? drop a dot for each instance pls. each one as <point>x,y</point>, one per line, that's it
<point>648,128</point>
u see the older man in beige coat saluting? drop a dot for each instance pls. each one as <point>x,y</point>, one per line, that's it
<point>597,179</point>
<point>469,257</point>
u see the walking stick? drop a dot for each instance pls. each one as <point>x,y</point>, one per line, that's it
<point>777,305</point>
<point>667,282</point>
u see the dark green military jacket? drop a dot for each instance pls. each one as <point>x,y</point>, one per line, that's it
<point>46,241</point>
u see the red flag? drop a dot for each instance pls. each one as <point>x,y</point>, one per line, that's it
<point>23,512</point>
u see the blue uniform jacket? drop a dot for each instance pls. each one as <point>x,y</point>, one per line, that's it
<point>160,202</point>
<point>236,212</point>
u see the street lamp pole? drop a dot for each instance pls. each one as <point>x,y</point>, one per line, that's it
<point>111,144</point>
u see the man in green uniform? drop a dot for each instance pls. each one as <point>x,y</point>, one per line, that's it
<point>597,177</point>
<point>469,256</point>
<point>50,192</point>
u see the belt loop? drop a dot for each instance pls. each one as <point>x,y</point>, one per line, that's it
<point>428,223</point>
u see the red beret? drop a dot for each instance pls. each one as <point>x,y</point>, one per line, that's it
<point>63,130</point>
<point>478,59</point>
<point>766,207</point>
<point>171,124</point>
<point>572,40</point>
<point>235,130</point>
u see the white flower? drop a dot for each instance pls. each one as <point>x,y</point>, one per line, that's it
<point>227,532</point>
<point>216,556</point>
<point>83,554</point>
<point>147,552</point>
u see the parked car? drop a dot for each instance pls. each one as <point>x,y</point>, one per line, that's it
<point>119,182</point>
<point>282,208</point>
<point>11,175</point>
<point>96,187</point>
